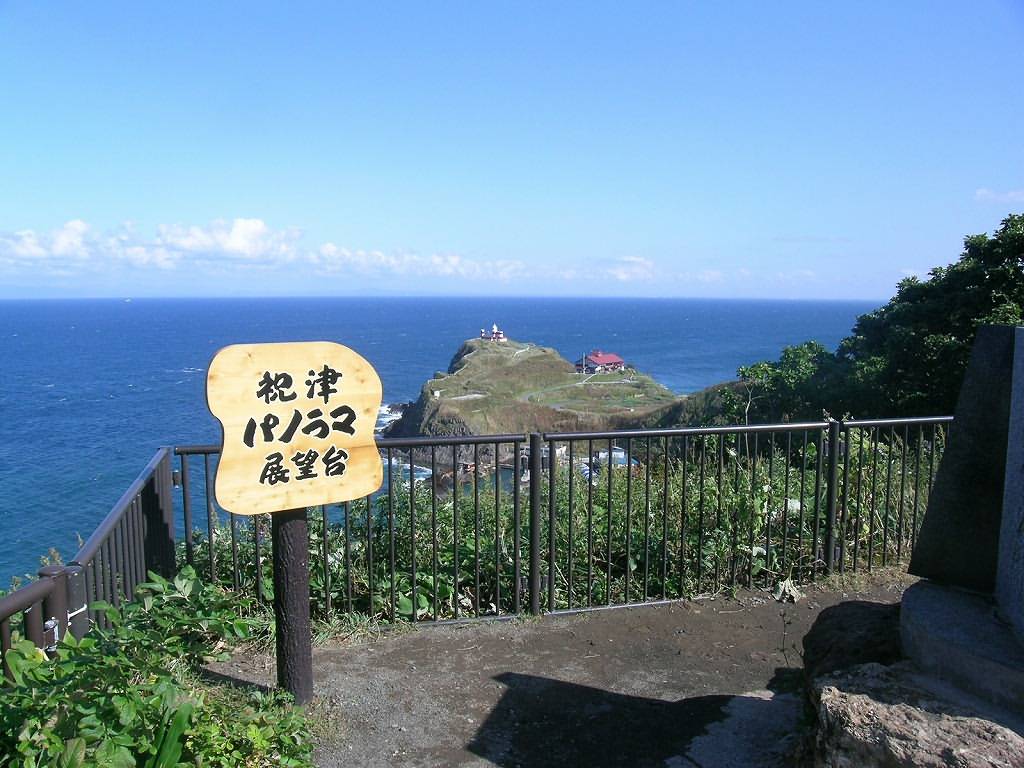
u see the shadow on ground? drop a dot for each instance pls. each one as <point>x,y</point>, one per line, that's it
<point>540,721</point>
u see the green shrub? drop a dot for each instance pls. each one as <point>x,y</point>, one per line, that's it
<point>130,695</point>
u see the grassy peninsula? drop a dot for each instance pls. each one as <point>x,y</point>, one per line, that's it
<point>503,387</point>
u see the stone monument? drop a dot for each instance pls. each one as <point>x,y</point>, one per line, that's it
<point>964,622</point>
<point>1010,569</point>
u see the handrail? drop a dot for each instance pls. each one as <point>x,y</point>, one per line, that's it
<point>25,597</point>
<point>388,442</point>
<point>99,536</point>
<point>910,422</point>
<point>685,431</point>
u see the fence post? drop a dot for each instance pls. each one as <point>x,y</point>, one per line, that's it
<point>536,468</point>
<point>832,491</point>
<point>54,607</point>
<point>78,608</point>
<point>158,514</point>
<point>290,544</point>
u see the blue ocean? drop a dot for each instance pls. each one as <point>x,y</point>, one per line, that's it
<point>90,388</point>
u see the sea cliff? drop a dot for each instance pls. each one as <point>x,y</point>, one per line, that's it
<point>494,387</point>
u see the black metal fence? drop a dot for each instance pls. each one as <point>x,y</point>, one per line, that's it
<point>508,524</point>
<point>505,524</point>
<point>136,536</point>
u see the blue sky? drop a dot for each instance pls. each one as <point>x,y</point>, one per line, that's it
<point>787,150</point>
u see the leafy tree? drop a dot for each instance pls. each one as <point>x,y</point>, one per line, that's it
<point>906,358</point>
<point>785,390</point>
<point>909,356</point>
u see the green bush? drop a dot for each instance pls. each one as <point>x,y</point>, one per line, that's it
<point>130,695</point>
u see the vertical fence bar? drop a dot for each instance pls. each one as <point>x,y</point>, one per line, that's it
<point>917,485</point>
<point>803,498</point>
<point>186,506</point>
<point>787,467</point>
<point>903,488</point>
<point>860,497</point>
<point>433,531</point>
<point>412,537</point>
<point>476,529</point>
<point>346,510</point>
<point>55,603</point>
<point>535,470</point>
<point>873,505</point>
<point>121,545</point>
<point>32,620</point>
<point>590,523</point>
<point>816,552</point>
<point>371,608</point>
<point>629,515</point>
<point>664,520</point>
<point>257,521</point>
<point>832,495</point>
<point>110,558</point>
<point>517,569</point>
<point>78,598</point>
<point>234,549</point>
<point>572,473</point>
<point>720,491</point>
<point>734,517</point>
<point>683,552</point>
<point>393,604</point>
<point>769,509</point>
<point>326,555</point>
<point>843,525</point>
<point>140,544</point>
<point>608,528</point>
<point>497,528</point>
<point>552,521</point>
<point>647,516</point>
<point>5,646</point>
<point>700,515</point>
<point>456,485</point>
<point>752,459</point>
<point>888,498</point>
<point>211,523</point>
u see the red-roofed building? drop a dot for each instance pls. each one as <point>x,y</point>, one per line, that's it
<point>599,362</point>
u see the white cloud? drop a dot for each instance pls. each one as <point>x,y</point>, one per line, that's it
<point>630,269</point>
<point>69,240</point>
<point>986,195</point>
<point>330,258</point>
<point>242,243</point>
<point>249,239</point>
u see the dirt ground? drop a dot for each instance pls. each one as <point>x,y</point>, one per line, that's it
<point>711,682</point>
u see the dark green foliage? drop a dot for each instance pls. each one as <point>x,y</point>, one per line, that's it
<point>129,695</point>
<point>904,359</point>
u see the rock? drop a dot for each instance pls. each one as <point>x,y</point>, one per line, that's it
<point>872,715</point>
<point>958,543</point>
<point>850,633</point>
<point>786,592</point>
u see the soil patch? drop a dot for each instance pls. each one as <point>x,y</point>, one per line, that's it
<point>711,682</point>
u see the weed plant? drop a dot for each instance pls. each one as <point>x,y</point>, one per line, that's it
<point>132,695</point>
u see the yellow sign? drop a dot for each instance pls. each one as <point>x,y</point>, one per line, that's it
<point>298,423</point>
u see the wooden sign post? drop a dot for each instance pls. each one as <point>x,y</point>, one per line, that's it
<point>298,422</point>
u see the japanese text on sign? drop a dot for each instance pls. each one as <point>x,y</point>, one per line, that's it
<point>298,425</point>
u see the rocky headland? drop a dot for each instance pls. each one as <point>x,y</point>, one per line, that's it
<point>507,387</point>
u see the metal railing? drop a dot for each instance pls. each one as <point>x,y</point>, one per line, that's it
<point>505,524</point>
<point>499,525</point>
<point>136,536</point>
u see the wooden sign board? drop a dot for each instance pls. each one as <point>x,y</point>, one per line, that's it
<point>298,422</point>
